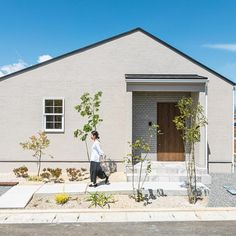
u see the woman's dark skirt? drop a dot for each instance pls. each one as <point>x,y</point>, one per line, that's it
<point>96,171</point>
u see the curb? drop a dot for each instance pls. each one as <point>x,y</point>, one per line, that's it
<point>115,215</point>
<point>100,210</point>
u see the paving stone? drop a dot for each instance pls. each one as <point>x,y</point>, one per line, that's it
<point>3,217</point>
<point>161,216</point>
<point>184,216</point>
<point>18,219</point>
<point>18,196</point>
<point>139,216</point>
<point>66,218</point>
<point>209,216</point>
<point>116,187</point>
<point>115,217</point>
<point>228,215</point>
<point>60,188</point>
<point>91,217</point>
<point>42,218</point>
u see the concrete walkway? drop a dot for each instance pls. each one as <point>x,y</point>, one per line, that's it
<point>137,215</point>
<point>19,196</point>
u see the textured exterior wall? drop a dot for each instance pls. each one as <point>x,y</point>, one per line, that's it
<point>145,111</point>
<point>102,68</point>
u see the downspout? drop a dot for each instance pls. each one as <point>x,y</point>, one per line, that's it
<point>206,134</point>
<point>233,134</point>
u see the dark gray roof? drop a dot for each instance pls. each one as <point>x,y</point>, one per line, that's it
<point>114,38</point>
<point>164,76</point>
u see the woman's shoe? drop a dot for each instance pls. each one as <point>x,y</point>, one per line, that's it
<point>93,185</point>
<point>107,180</point>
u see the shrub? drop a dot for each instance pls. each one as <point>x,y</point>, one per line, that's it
<point>76,174</point>
<point>49,174</point>
<point>62,198</point>
<point>55,173</point>
<point>100,199</point>
<point>21,171</point>
<point>73,173</point>
<point>34,178</point>
<point>45,174</point>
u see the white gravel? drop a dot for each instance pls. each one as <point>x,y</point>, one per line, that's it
<point>121,201</point>
<point>219,197</point>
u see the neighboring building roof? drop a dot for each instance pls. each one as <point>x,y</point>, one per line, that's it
<point>114,38</point>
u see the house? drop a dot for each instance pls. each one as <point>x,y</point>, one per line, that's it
<point>141,78</point>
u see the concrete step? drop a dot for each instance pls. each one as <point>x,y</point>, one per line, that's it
<point>160,168</point>
<point>169,188</point>
<point>203,178</point>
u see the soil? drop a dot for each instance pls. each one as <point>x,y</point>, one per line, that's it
<point>121,202</point>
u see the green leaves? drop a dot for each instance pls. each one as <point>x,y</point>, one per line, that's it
<point>89,109</point>
<point>190,120</point>
<point>100,199</point>
<point>37,144</point>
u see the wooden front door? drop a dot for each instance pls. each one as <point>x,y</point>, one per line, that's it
<point>169,144</point>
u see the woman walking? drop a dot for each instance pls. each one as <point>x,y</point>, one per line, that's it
<point>96,154</point>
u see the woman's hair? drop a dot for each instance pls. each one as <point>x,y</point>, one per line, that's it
<point>96,134</point>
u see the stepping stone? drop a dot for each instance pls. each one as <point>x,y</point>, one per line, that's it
<point>18,196</point>
<point>62,188</point>
<point>230,189</point>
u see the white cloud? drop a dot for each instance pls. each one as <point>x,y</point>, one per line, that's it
<point>8,69</point>
<point>43,58</point>
<point>228,47</point>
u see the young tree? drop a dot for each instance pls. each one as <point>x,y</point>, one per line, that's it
<point>37,145</point>
<point>138,147</point>
<point>89,109</point>
<point>189,122</point>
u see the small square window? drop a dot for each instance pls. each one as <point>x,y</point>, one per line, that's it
<point>57,109</point>
<point>58,103</point>
<point>53,117</point>
<point>49,103</point>
<point>49,125</point>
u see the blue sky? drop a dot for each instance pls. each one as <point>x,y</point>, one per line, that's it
<point>36,30</point>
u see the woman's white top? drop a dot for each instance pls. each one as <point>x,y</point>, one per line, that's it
<point>96,151</point>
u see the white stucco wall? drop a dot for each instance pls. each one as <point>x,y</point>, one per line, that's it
<point>102,68</point>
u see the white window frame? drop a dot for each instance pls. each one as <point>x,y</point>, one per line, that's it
<point>62,115</point>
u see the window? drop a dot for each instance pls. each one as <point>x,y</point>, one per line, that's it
<point>53,115</point>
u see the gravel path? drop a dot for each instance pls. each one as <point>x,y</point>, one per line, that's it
<point>219,197</point>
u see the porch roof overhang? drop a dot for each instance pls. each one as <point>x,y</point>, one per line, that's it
<point>166,82</point>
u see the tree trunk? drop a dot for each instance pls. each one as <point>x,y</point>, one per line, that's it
<point>133,176</point>
<point>39,163</point>
<point>87,151</point>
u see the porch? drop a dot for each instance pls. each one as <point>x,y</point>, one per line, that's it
<point>154,99</point>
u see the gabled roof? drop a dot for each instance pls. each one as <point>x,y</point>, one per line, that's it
<point>114,38</point>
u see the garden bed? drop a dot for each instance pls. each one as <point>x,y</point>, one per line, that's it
<point>121,202</point>
<point>115,177</point>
